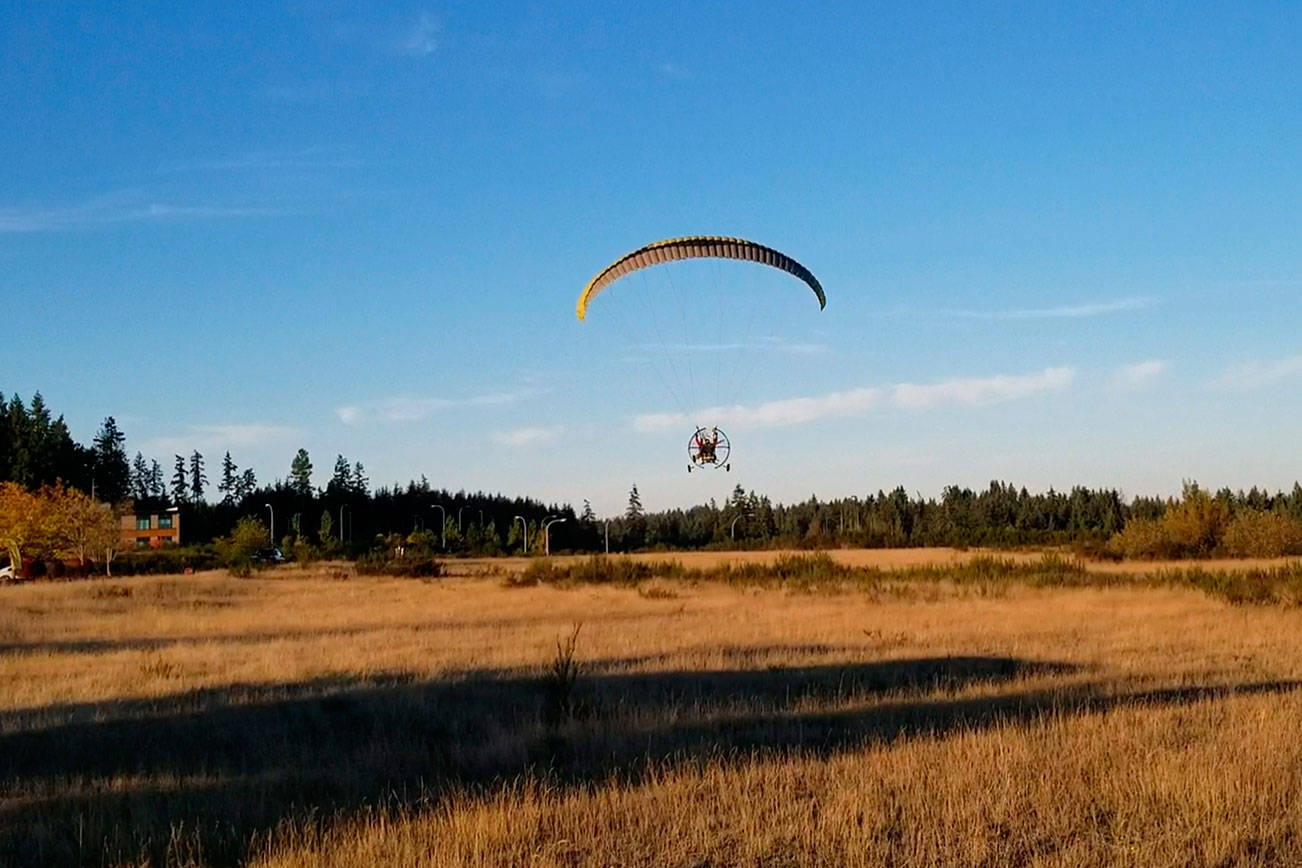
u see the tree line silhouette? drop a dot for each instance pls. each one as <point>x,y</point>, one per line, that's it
<point>37,449</point>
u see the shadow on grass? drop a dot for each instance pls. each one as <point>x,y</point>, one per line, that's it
<point>195,777</point>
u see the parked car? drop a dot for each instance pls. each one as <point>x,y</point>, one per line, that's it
<point>6,572</point>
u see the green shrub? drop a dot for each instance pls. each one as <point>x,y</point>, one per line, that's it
<point>173,559</point>
<point>237,551</point>
<point>405,566</point>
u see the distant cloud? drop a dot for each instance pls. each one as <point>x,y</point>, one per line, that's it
<point>421,39</point>
<point>409,409</point>
<point>1071,311</point>
<point>1139,374</point>
<point>1260,373</point>
<point>669,69</point>
<point>210,439</point>
<point>969,392</point>
<point>109,210</point>
<point>765,344</point>
<point>534,436</point>
<point>259,161</point>
<point>979,391</point>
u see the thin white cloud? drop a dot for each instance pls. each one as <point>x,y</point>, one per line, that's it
<point>1070,311</point>
<point>532,436</point>
<point>260,161</point>
<point>421,39</point>
<point>1139,374</point>
<point>410,409</point>
<point>764,344</point>
<point>669,69</point>
<point>218,438</point>
<point>1260,373</point>
<point>117,209</point>
<point>974,392</point>
<point>969,392</point>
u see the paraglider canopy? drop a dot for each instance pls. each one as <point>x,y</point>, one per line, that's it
<point>697,247</point>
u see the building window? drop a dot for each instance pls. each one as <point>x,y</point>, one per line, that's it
<point>164,522</point>
<point>142,523</point>
<point>142,542</point>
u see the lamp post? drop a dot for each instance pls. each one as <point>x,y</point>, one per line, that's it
<point>732,529</point>
<point>342,507</point>
<point>525,535</point>
<point>607,524</point>
<point>271,531</point>
<point>547,537</point>
<point>443,525</point>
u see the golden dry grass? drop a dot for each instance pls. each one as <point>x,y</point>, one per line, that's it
<point>884,559</point>
<point>300,719</point>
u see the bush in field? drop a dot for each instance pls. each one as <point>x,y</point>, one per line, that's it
<point>381,563</point>
<point>1143,538</point>
<point>303,552</point>
<point>1197,523</point>
<point>165,561</point>
<point>1261,534</point>
<point>237,551</point>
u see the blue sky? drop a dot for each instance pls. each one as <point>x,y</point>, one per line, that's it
<point>1061,243</point>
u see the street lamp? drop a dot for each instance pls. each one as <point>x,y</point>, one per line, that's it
<point>525,535</point>
<point>607,523</point>
<point>341,522</point>
<point>547,538</point>
<point>732,529</point>
<point>459,508</point>
<point>271,531</point>
<point>443,525</point>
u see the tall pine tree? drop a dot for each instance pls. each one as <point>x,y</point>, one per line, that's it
<point>139,477</point>
<point>112,471</point>
<point>341,482</point>
<point>247,483</point>
<point>156,488</point>
<point>180,482</point>
<point>197,477</point>
<point>300,474</point>
<point>229,484</point>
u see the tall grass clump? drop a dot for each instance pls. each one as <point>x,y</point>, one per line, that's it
<point>595,570</point>
<point>1277,586</point>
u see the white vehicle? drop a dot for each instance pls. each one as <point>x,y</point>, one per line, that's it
<point>6,572</point>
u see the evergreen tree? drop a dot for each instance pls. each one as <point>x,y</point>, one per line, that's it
<point>326,533</point>
<point>156,489</point>
<point>342,480</point>
<point>634,510</point>
<point>139,478</point>
<point>180,482</point>
<point>197,477</point>
<point>359,482</point>
<point>587,516</point>
<point>112,472</point>
<point>300,474</point>
<point>40,444</point>
<point>247,483</point>
<point>229,485</point>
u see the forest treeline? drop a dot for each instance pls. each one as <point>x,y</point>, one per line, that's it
<point>345,515</point>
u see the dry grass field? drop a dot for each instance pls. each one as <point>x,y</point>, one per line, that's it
<point>884,559</point>
<point>311,717</point>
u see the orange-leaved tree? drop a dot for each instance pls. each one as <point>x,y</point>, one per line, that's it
<point>29,523</point>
